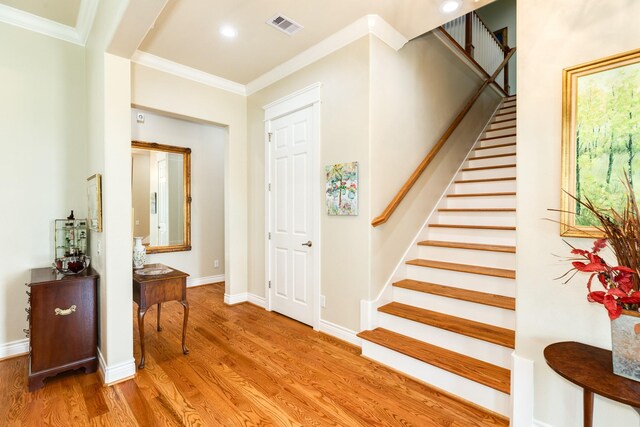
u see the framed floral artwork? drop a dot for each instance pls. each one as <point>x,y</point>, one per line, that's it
<point>342,189</point>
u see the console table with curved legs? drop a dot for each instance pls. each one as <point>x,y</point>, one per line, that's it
<point>154,289</point>
<point>592,369</point>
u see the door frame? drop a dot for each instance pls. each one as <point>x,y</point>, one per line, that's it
<point>309,96</point>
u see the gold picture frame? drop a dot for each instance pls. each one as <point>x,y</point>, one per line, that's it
<point>94,202</point>
<point>593,112</point>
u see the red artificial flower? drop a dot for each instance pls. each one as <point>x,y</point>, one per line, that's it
<point>617,281</point>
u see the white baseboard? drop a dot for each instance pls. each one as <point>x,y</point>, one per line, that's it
<point>339,332</point>
<point>14,348</point>
<point>537,423</point>
<point>257,300</point>
<point>207,280</point>
<point>522,392</point>
<point>113,374</point>
<point>236,298</point>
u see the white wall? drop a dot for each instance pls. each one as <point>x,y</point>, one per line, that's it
<point>155,90</point>
<point>141,194</point>
<point>109,153</point>
<point>415,94</point>
<point>344,138</point>
<point>43,163</point>
<point>552,37</point>
<point>498,15</point>
<point>207,188</point>
<point>384,109</point>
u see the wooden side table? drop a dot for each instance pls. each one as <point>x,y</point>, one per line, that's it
<point>591,368</point>
<point>154,289</point>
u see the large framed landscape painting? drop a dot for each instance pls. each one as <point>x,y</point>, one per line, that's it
<point>600,138</point>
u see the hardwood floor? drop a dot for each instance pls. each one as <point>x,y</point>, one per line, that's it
<point>247,367</point>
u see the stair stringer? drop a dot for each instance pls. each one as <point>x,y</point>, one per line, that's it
<point>369,308</point>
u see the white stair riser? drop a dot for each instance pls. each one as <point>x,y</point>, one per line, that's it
<point>472,347</point>
<point>467,389</point>
<point>497,141</point>
<point>502,124</point>
<point>454,307</point>
<point>493,161</point>
<point>476,218</point>
<point>507,110</point>
<point>484,258</point>
<point>493,151</point>
<point>489,237</point>
<point>482,202</point>
<point>487,173</point>
<point>508,116</point>
<point>499,132</point>
<point>508,127</point>
<point>485,187</point>
<point>474,282</point>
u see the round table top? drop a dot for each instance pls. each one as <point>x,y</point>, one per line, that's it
<point>592,369</point>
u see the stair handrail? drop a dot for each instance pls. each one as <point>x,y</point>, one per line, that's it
<point>404,190</point>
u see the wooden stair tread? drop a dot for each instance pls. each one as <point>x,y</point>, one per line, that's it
<point>477,210</point>
<point>493,156</point>
<point>470,181</point>
<point>505,114</point>
<point>472,246</point>
<point>475,227</point>
<point>488,167</point>
<point>498,137</point>
<point>464,268</point>
<point>482,331</point>
<point>506,193</point>
<point>476,370</point>
<point>483,298</point>
<point>508,144</point>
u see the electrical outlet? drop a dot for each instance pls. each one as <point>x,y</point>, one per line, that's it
<point>99,247</point>
<point>323,301</point>
<point>216,264</point>
<point>140,117</point>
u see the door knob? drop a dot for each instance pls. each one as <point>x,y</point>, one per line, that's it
<point>308,244</point>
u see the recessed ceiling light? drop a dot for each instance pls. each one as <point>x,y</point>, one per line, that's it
<point>228,31</point>
<point>449,6</point>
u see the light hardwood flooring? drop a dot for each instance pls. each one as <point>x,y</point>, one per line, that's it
<point>247,367</point>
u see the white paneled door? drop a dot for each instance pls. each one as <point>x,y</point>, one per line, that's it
<point>291,216</point>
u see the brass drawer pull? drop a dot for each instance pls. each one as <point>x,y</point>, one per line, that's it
<point>65,312</point>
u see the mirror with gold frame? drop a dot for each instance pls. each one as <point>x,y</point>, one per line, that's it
<point>161,196</point>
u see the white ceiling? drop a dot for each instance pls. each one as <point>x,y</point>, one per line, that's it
<point>187,31</point>
<point>64,12</point>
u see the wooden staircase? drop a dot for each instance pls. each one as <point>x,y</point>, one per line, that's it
<point>452,318</point>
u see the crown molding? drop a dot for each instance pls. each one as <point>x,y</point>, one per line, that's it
<point>167,66</point>
<point>76,35</point>
<point>368,24</point>
<point>86,16</point>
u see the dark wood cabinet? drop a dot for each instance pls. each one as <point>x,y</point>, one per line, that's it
<point>63,326</point>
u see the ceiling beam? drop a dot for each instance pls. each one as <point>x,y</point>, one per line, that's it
<point>139,17</point>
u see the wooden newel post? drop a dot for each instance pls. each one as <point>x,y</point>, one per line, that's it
<point>468,34</point>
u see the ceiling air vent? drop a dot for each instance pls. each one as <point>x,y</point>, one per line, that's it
<point>284,24</point>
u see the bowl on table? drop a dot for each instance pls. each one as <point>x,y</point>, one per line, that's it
<point>71,265</point>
